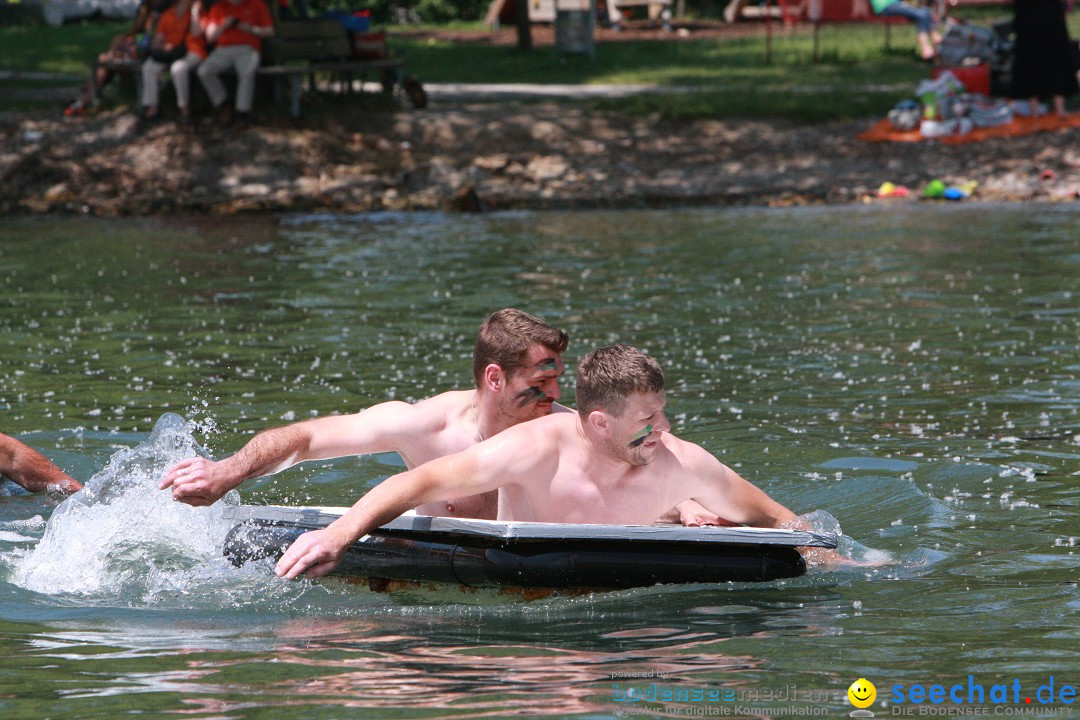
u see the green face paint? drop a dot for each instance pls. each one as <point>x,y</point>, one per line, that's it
<point>530,394</point>
<point>548,364</point>
<point>640,436</point>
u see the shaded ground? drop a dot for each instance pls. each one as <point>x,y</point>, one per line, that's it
<point>473,156</point>
<point>465,155</point>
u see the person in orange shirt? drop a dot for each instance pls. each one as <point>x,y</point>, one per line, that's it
<point>236,28</point>
<point>178,44</point>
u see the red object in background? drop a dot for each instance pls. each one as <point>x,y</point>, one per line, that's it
<point>976,78</point>
<point>369,46</point>
<point>840,10</point>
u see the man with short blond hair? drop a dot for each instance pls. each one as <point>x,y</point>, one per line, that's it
<point>613,462</point>
<point>517,363</point>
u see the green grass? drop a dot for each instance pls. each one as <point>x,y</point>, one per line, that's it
<point>857,76</point>
<point>856,55</point>
<point>68,49</point>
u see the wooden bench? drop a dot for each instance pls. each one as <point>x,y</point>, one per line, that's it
<point>825,12</point>
<point>302,48</point>
<point>656,8</point>
<point>299,49</point>
<point>833,12</point>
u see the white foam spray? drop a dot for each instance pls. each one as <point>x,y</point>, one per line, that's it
<point>123,538</point>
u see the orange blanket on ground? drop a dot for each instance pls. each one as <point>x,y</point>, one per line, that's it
<point>883,131</point>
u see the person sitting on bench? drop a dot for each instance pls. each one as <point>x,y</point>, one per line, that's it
<point>179,46</point>
<point>924,20</point>
<point>236,28</point>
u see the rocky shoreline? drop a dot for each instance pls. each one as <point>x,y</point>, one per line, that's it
<point>484,156</point>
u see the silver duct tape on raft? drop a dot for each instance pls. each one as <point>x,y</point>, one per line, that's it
<point>317,517</point>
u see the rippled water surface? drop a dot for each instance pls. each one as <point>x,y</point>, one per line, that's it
<point>914,371</point>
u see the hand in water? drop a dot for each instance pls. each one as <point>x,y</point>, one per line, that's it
<point>313,554</point>
<point>844,556</point>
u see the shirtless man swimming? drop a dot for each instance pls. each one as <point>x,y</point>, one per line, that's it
<point>614,461</point>
<point>517,362</point>
<point>29,468</point>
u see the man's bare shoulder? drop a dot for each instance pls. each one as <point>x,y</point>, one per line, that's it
<point>430,415</point>
<point>560,422</point>
<point>440,411</point>
<point>556,428</point>
<point>689,455</point>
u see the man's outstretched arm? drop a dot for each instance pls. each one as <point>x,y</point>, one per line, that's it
<point>470,472</point>
<point>31,469</point>
<point>381,428</point>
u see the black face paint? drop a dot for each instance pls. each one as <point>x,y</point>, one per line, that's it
<point>641,436</point>
<point>529,395</point>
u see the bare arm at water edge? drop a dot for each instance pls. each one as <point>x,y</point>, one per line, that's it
<point>31,469</point>
<point>482,468</point>
<point>387,427</point>
<point>723,491</point>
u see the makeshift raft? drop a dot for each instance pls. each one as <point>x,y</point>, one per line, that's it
<point>528,555</point>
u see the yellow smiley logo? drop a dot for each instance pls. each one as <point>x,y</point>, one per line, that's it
<point>862,693</point>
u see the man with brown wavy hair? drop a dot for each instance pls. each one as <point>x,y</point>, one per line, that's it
<point>517,363</point>
<point>613,462</point>
<point>32,470</point>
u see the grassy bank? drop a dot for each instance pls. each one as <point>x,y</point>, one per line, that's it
<point>858,74</point>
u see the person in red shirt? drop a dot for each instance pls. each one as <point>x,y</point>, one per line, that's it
<point>236,28</point>
<point>178,44</point>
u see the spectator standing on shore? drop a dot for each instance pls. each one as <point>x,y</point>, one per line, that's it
<point>1043,63</point>
<point>179,45</point>
<point>236,29</point>
<point>922,16</point>
<point>32,470</point>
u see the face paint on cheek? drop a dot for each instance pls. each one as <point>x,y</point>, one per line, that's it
<point>529,395</point>
<point>639,438</point>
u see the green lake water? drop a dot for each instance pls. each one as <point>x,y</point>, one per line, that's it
<point>913,371</point>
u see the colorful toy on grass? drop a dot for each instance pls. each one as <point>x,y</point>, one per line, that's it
<point>937,190</point>
<point>890,190</point>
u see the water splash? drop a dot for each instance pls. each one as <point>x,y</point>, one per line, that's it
<point>849,549</point>
<point>123,538</point>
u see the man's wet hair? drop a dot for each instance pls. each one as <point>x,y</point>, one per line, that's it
<point>505,338</point>
<point>609,375</point>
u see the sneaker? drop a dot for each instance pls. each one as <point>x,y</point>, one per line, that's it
<point>75,109</point>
